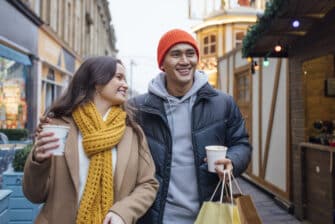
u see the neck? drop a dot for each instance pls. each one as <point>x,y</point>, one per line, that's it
<point>101,107</point>
<point>178,90</point>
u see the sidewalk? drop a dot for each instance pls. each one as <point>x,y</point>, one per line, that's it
<point>268,210</point>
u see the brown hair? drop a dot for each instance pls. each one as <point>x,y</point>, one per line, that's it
<point>82,88</point>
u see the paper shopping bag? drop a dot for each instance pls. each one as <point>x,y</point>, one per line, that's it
<point>246,209</point>
<point>218,213</point>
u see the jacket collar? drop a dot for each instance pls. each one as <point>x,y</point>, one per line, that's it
<point>155,102</point>
<point>206,92</point>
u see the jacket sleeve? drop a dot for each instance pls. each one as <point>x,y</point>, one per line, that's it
<point>36,179</point>
<point>132,207</point>
<point>239,149</point>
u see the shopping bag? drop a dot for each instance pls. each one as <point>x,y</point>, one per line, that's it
<point>219,212</point>
<point>245,206</point>
<point>246,209</point>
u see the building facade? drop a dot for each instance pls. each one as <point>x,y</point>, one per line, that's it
<point>36,70</point>
<point>222,30</point>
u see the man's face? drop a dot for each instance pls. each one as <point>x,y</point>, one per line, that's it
<point>179,65</point>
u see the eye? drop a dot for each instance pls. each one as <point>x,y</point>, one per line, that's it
<point>119,77</point>
<point>190,53</point>
<point>175,54</point>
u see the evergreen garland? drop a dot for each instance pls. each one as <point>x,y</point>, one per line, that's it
<point>272,10</point>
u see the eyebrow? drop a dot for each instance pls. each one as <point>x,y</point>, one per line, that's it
<point>181,50</point>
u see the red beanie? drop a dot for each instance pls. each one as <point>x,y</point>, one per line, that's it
<point>172,38</point>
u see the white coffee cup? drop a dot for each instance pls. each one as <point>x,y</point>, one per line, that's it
<point>61,133</point>
<point>214,153</point>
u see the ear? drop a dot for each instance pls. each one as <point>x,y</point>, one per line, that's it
<point>162,68</point>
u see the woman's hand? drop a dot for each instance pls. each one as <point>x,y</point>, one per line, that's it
<point>112,218</point>
<point>44,144</point>
<point>43,120</point>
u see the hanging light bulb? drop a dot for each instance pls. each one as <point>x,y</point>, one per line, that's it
<point>256,66</point>
<point>249,59</point>
<point>278,48</point>
<point>295,23</point>
<point>266,62</point>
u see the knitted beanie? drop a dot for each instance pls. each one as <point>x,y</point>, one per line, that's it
<point>172,38</point>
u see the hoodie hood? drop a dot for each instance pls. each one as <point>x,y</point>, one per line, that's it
<point>157,86</point>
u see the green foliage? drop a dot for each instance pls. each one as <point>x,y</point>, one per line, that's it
<point>273,10</point>
<point>16,134</point>
<point>20,158</point>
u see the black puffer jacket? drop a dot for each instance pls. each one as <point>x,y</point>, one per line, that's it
<point>216,120</point>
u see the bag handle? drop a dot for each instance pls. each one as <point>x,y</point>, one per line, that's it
<point>226,172</point>
<point>236,184</point>
<point>223,187</point>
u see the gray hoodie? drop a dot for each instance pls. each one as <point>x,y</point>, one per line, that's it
<point>182,203</point>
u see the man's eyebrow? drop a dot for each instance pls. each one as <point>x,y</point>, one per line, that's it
<point>175,50</point>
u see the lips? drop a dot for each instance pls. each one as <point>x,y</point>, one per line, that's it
<point>123,92</point>
<point>184,71</point>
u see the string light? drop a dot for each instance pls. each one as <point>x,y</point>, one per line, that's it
<point>256,65</point>
<point>295,23</point>
<point>278,48</point>
<point>266,62</point>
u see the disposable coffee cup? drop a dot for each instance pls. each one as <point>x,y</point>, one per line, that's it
<point>61,133</point>
<point>214,153</point>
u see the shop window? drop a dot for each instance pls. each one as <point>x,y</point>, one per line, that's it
<point>51,92</point>
<point>51,75</point>
<point>209,44</point>
<point>13,106</point>
<point>239,38</point>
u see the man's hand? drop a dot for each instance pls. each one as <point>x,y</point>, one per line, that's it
<point>227,164</point>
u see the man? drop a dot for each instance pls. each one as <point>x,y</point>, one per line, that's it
<point>180,115</point>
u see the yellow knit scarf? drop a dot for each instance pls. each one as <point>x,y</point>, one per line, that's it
<point>99,137</point>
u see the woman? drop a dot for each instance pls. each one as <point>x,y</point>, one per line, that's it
<point>107,173</point>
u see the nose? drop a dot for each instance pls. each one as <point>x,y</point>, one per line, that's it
<point>125,84</point>
<point>184,59</point>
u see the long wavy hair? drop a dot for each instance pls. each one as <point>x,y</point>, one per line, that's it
<point>95,71</point>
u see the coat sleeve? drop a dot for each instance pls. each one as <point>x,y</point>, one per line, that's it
<point>239,149</point>
<point>36,179</point>
<point>132,207</point>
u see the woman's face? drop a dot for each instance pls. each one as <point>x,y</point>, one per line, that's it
<point>115,91</point>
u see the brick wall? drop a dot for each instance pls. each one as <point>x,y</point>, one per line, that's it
<point>297,130</point>
<point>320,41</point>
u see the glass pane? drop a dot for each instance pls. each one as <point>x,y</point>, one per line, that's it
<point>246,81</point>
<point>247,96</point>
<point>206,50</point>
<point>213,48</point>
<point>13,107</point>
<point>213,38</point>
<point>206,40</point>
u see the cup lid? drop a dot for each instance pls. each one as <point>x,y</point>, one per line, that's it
<point>216,147</point>
<point>55,126</point>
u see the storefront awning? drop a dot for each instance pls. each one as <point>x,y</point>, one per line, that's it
<point>285,23</point>
<point>11,54</point>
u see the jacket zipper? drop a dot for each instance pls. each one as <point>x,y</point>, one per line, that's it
<point>168,153</point>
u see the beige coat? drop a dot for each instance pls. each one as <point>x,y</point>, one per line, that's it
<point>56,182</point>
